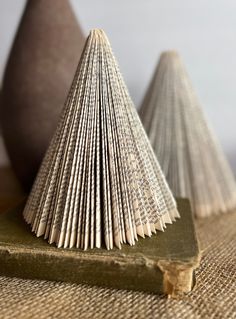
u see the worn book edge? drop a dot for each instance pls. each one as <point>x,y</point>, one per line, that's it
<point>162,264</point>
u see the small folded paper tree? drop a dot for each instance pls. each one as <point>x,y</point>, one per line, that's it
<point>99,181</point>
<point>189,154</point>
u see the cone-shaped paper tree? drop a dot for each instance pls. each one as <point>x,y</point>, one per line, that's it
<point>189,154</point>
<point>100,181</point>
<point>37,79</point>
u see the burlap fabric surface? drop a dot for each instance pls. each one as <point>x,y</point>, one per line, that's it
<point>213,297</point>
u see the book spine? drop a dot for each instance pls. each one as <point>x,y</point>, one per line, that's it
<point>140,274</point>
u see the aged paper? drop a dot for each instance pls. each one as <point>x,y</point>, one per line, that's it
<point>185,145</point>
<point>99,183</point>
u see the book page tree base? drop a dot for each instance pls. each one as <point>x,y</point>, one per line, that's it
<point>164,263</point>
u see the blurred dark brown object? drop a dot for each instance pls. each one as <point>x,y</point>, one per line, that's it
<point>39,72</point>
<point>11,192</point>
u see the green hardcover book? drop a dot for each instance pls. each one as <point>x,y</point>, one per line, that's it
<point>164,263</point>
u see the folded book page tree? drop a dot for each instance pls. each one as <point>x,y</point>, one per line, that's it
<point>99,182</point>
<point>186,147</point>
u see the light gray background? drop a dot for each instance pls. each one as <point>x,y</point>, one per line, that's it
<point>203,31</point>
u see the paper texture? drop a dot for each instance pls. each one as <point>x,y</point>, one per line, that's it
<point>99,182</point>
<point>185,146</point>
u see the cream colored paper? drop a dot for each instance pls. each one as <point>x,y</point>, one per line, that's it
<point>99,182</point>
<point>185,145</point>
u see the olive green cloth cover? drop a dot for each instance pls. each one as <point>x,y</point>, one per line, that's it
<point>163,263</point>
<point>213,296</point>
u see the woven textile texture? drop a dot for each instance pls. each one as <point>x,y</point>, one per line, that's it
<point>213,297</point>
